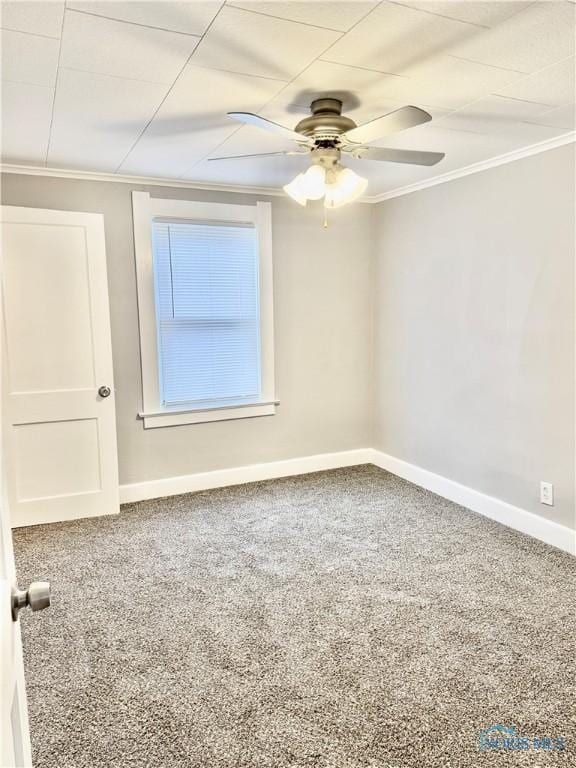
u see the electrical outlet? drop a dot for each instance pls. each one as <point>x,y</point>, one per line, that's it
<point>547,493</point>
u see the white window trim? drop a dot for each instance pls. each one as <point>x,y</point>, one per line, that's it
<point>145,210</point>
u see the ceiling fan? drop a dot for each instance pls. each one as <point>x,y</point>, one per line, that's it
<point>325,136</point>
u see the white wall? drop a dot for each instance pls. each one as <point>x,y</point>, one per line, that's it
<point>475,331</point>
<point>323,290</point>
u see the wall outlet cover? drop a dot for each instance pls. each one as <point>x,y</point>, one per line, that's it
<point>547,493</point>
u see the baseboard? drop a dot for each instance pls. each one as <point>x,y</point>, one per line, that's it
<point>514,517</point>
<point>202,481</point>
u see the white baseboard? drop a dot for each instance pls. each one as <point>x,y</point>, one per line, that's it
<point>172,486</point>
<point>514,517</point>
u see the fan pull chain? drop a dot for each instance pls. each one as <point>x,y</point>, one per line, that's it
<point>325,218</point>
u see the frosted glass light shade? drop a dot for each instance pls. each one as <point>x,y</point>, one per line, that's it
<point>347,188</point>
<point>295,190</point>
<point>314,182</point>
<point>338,187</point>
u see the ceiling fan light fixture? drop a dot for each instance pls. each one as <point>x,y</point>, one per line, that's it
<point>328,134</point>
<point>295,190</point>
<point>349,186</point>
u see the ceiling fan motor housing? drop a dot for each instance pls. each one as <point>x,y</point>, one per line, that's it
<point>326,123</point>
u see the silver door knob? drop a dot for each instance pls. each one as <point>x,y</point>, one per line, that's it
<point>104,391</point>
<point>37,597</point>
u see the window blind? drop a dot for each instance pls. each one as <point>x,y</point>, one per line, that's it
<point>207,310</point>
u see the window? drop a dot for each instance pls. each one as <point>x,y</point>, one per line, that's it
<point>205,306</point>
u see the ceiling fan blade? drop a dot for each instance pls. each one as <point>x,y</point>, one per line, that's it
<point>411,156</point>
<point>260,122</point>
<point>399,120</point>
<point>259,154</point>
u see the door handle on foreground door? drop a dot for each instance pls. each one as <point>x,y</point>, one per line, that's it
<point>37,596</point>
<point>104,391</point>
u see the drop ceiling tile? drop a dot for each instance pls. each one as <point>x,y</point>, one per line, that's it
<point>444,84</point>
<point>321,13</point>
<point>553,86</point>
<point>492,115</point>
<point>94,44</point>
<point>192,121</point>
<point>394,39</point>
<point>191,17</point>
<point>39,17</point>
<point>98,118</point>
<point>438,137</point>
<point>487,14</point>
<point>360,90</point>
<point>157,154</point>
<point>29,58</point>
<point>559,117</point>
<point>525,134</point>
<point>26,113</point>
<point>254,44</point>
<point>538,36</point>
<point>450,83</point>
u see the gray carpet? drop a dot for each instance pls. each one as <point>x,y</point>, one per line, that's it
<point>341,619</point>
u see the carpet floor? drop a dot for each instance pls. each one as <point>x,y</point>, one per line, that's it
<point>342,619</point>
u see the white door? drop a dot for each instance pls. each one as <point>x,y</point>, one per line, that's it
<point>59,393</point>
<point>14,736</point>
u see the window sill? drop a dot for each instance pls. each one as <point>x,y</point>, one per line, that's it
<point>203,415</point>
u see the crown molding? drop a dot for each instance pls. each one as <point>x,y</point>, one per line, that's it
<point>150,181</point>
<point>154,181</point>
<point>484,165</point>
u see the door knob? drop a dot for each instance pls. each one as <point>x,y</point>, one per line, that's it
<point>37,597</point>
<point>104,391</point>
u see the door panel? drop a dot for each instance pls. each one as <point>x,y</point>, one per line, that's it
<point>47,473</point>
<point>62,460</point>
<point>47,304</point>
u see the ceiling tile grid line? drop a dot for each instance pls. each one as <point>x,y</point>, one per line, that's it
<point>116,77</point>
<point>334,16</point>
<point>422,7</point>
<point>55,87</point>
<point>518,72</point>
<point>71,9</point>
<point>279,18</point>
<point>184,16</point>
<point>194,63</point>
<point>26,32</point>
<point>217,147</point>
<point>493,11</point>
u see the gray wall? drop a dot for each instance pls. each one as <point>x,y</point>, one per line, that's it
<point>474,330</point>
<point>323,293</point>
<point>438,327</point>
